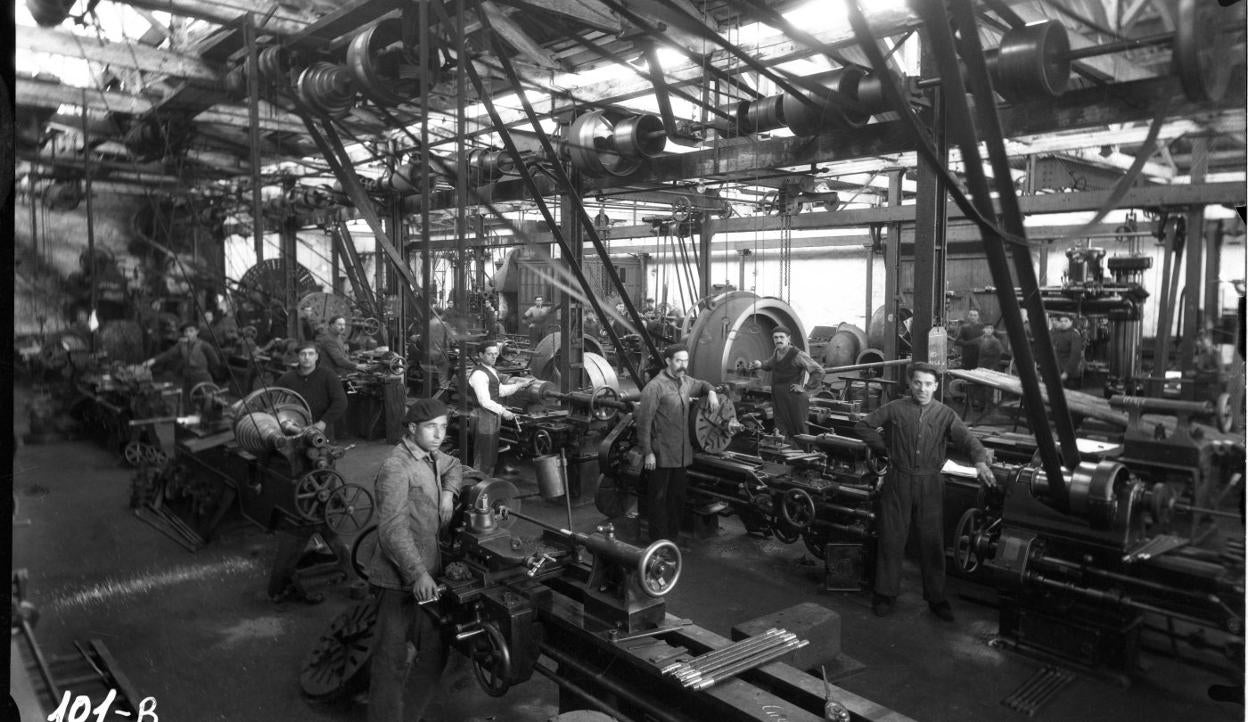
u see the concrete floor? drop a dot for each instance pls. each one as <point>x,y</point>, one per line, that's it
<point>196,631</point>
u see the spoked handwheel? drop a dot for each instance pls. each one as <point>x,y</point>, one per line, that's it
<point>313,491</point>
<point>201,392</point>
<point>133,453</point>
<point>659,568</point>
<point>973,528</point>
<point>341,653</point>
<point>601,411</point>
<point>491,660</point>
<point>797,508</point>
<point>348,509</point>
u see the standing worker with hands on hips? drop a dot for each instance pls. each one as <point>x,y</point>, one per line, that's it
<point>416,490</point>
<point>663,434</point>
<point>792,372</point>
<point>917,431</point>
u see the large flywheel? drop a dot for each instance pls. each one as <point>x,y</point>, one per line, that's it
<point>726,332</point>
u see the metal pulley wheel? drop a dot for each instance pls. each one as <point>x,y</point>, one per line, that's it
<point>659,568</point>
<point>348,509</point>
<point>735,327</point>
<point>611,143</point>
<point>711,431</point>
<point>1032,61</point>
<point>797,508</point>
<point>326,87</point>
<point>612,499</point>
<point>313,492</point>
<point>682,209</point>
<point>600,410</point>
<point>370,326</point>
<point>971,532</point>
<point>1203,42</point>
<point>278,401</point>
<point>345,649</point>
<point>491,660</point>
<point>274,64</point>
<point>498,494</point>
<point>386,71</point>
<point>397,365</point>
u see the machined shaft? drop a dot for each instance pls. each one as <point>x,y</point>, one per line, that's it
<point>718,652</point>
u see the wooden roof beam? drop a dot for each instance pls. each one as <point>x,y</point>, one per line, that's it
<point>269,16</point>
<point>147,59</point>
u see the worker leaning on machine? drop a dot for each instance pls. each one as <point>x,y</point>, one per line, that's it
<point>318,386</point>
<point>331,343</point>
<point>488,410</point>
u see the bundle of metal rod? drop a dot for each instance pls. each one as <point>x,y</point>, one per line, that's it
<point>708,669</point>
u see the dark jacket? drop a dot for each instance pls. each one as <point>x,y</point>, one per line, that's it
<point>663,418</point>
<point>321,389</point>
<point>916,437</point>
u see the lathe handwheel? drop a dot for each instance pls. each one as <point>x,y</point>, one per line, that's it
<point>341,653</point>
<point>491,661</point>
<point>313,491</point>
<point>711,430</point>
<point>154,455</point>
<point>797,508</point>
<point>371,326</point>
<point>201,392</point>
<point>542,443</point>
<point>596,407</point>
<point>397,365</point>
<point>966,538</point>
<point>133,453</point>
<point>877,464</point>
<point>362,550</point>
<point>1222,412</point>
<point>658,570</point>
<point>348,509</point>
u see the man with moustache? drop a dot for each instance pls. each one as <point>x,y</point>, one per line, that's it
<point>792,372</point>
<point>663,435</point>
<point>332,344</point>
<point>917,430</point>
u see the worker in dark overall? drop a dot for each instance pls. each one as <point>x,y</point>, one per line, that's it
<point>916,432</point>
<point>196,358</point>
<point>793,371</point>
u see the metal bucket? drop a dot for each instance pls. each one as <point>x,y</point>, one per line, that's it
<point>551,478</point>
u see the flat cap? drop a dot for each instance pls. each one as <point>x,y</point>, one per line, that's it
<point>423,410</point>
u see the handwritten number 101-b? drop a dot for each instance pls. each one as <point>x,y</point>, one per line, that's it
<point>77,708</point>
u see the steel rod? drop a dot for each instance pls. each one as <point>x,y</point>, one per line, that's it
<point>745,665</point>
<point>715,652</point>
<point>736,655</point>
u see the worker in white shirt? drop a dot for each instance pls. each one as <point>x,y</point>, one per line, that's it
<point>488,411</point>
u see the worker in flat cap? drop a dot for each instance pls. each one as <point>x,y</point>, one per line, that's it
<point>196,359</point>
<point>1068,347</point>
<point>318,385</point>
<point>415,490</point>
<point>793,371</point>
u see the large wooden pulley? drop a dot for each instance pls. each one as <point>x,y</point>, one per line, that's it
<point>612,143</point>
<point>343,652</point>
<point>712,431</point>
<point>1033,61</point>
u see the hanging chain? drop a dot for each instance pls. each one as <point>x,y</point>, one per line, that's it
<point>786,254</point>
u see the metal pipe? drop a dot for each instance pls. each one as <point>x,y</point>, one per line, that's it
<point>774,631</point>
<point>744,665</point>
<point>735,653</point>
<point>863,367</point>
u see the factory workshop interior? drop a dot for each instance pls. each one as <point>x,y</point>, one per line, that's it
<point>647,360</point>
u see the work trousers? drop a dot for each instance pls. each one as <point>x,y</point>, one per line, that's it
<point>665,501</point>
<point>791,409</point>
<point>905,498</point>
<point>402,626</point>
<point>485,441</point>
